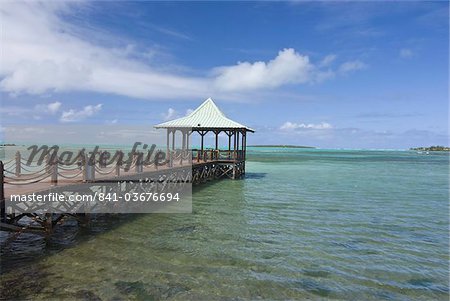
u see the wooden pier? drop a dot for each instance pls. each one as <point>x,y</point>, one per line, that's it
<point>184,165</point>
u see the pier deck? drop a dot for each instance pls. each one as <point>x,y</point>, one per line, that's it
<point>181,165</point>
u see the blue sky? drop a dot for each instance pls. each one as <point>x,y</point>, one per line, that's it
<point>326,74</point>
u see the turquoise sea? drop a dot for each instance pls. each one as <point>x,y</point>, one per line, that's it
<point>303,224</point>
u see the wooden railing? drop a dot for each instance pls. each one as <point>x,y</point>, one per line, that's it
<point>86,167</point>
<point>212,154</point>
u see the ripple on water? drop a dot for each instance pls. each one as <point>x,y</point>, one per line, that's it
<point>316,273</point>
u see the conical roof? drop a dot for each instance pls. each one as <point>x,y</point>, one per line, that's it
<point>206,116</point>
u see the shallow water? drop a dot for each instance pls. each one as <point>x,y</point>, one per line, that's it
<point>303,224</point>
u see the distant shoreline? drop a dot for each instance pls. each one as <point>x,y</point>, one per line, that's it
<point>432,149</point>
<point>281,146</point>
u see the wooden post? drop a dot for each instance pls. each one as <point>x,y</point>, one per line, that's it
<point>169,158</point>
<point>156,156</point>
<point>103,158</point>
<point>54,177</point>
<point>168,145</point>
<point>202,134</point>
<point>245,149</point>
<point>139,161</point>
<point>118,164</point>
<point>18,165</point>
<point>244,144</point>
<point>47,164</point>
<point>217,139</point>
<point>183,145</point>
<point>173,139</point>
<point>234,145</point>
<point>80,160</point>
<point>89,170</point>
<point>237,143</point>
<point>187,139</point>
<point>48,224</point>
<point>2,193</point>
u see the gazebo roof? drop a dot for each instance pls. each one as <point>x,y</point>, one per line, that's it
<point>206,116</point>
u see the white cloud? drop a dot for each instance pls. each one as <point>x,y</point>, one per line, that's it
<point>173,114</point>
<point>74,115</point>
<point>287,68</point>
<point>173,33</point>
<point>170,114</point>
<point>292,126</point>
<point>54,107</point>
<point>327,60</point>
<point>51,108</point>
<point>113,121</point>
<point>351,66</point>
<point>42,52</point>
<point>406,53</point>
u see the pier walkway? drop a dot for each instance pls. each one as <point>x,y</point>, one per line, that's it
<point>17,178</point>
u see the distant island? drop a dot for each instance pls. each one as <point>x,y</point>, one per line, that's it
<point>433,148</point>
<point>282,146</point>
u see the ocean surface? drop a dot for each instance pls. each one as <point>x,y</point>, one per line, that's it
<point>303,224</point>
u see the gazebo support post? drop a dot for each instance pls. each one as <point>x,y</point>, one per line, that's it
<point>237,145</point>
<point>202,133</point>
<point>229,143</point>
<point>217,144</point>
<point>234,145</point>
<point>168,146</point>
<point>187,139</point>
<point>244,150</point>
<point>183,144</point>
<point>173,139</point>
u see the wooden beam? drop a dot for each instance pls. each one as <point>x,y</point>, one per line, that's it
<point>14,228</point>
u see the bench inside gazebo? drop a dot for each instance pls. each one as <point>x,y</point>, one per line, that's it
<point>208,118</point>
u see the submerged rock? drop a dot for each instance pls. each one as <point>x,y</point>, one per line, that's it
<point>141,291</point>
<point>87,295</point>
<point>186,229</point>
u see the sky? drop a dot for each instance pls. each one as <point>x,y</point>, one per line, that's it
<point>325,74</point>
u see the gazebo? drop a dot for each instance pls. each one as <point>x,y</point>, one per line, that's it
<point>203,120</point>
